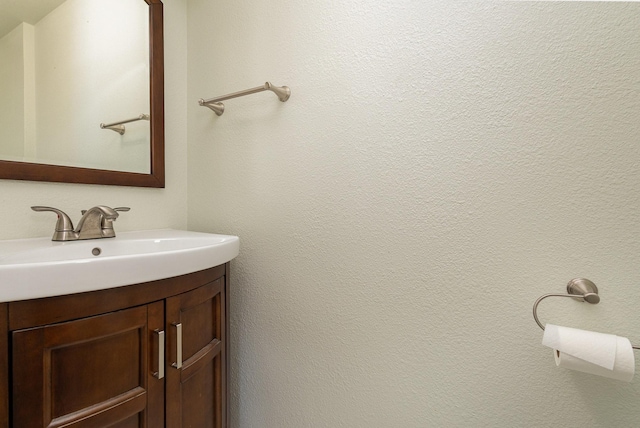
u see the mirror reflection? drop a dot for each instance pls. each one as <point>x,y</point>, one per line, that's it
<point>66,67</point>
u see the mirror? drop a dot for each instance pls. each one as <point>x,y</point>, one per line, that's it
<point>82,91</point>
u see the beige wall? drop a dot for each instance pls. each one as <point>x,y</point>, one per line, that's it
<point>150,208</point>
<point>438,167</point>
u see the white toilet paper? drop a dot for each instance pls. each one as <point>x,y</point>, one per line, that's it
<point>600,354</point>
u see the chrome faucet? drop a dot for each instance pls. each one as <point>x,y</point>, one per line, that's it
<point>96,222</point>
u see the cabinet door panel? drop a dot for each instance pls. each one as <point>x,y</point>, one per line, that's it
<point>102,376</point>
<point>195,392</point>
<point>93,372</point>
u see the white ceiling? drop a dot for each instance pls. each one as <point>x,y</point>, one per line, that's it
<point>13,12</point>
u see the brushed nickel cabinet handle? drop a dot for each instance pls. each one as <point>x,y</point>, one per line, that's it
<point>160,373</point>
<point>178,363</point>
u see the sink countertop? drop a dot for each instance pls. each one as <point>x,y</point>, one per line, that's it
<point>38,267</point>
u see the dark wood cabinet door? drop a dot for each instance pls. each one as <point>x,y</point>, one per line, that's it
<point>92,372</point>
<point>196,342</point>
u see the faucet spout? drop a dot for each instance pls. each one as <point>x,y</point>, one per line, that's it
<point>90,226</point>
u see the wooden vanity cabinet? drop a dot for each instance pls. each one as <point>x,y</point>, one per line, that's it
<point>147,355</point>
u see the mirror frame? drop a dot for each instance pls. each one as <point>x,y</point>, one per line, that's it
<point>66,174</point>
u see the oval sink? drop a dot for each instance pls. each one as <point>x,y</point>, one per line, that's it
<point>38,267</point>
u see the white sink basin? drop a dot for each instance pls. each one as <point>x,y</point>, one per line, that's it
<point>39,267</point>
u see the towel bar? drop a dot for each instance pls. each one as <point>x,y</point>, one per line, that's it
<point>283,93</point>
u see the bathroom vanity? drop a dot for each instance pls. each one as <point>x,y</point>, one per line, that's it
<point>123,332</point>
<point>145,355</point>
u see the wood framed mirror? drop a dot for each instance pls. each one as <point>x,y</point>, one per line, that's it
<point>155,177</point>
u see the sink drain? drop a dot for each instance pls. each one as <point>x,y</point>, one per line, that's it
<point>96,251</point>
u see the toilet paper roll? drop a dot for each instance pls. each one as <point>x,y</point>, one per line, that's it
<point>590,352</point>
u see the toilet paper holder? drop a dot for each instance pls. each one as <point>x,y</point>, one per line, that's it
<point>580,289</point>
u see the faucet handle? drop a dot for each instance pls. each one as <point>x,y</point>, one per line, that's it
<point>107,223</point>
<point>64,225</point>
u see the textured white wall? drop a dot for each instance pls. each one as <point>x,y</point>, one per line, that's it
<point>438,167</point>
<point>150,208</point>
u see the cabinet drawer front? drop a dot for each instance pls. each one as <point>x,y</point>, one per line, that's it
<point>90,372</point>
